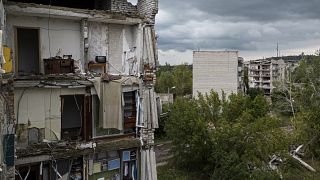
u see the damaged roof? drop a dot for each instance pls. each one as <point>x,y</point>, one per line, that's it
<point>110,16</point>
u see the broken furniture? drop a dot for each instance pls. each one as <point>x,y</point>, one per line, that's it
<point>58,66</point>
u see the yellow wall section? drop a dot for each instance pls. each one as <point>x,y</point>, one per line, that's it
<point>8,65</point>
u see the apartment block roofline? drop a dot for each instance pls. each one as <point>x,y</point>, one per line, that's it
<point>214,51</point>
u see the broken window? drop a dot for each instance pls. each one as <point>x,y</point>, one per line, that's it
<point>72,107</point>
<point>28,51</point>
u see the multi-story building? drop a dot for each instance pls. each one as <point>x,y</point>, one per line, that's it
<point>218,71</point>
<point>76,90</point>
<point>264,73</point>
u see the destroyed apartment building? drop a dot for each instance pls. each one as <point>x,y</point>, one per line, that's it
<point>76,96</point>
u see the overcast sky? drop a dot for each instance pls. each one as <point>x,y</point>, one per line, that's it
<point>251,26</point>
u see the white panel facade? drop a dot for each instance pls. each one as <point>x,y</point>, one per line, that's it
<point>215,70</point>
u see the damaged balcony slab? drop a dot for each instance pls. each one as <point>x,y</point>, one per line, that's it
<point>70,76</point>
<point>38,10</point>
<point>52,84</point>
<point>30,160</point>
<point>65,150</point>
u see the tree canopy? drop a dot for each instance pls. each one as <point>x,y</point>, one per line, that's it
<point>222,137</point>
<point>179,77</point>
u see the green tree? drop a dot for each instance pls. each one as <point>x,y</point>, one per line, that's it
<point>164,82</point>
<point>182,78</point>
<point>220,138</point>
<point>179,77</point>
<point>307,100</point>
<point>253,92</point>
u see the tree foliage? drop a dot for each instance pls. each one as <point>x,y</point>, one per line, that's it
<point>179,77</point>
<point>307,101</point>
<point>220,137</point>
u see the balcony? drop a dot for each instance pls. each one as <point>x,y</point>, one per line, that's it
<point>265,69</point>
<point>254,75</point>
<point>254,69</point>
<point>266,87</point>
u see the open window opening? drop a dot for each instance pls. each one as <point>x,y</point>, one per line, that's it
<point>31,172</point>
<point>72,117</point>
<point>67,169</point>
<point>28,62</point>
<point>60,169</point>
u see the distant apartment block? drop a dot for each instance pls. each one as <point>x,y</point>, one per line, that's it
<point>264,73</point>
<point>218,71</point>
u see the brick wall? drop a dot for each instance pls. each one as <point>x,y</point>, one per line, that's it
<point>123,6</point>
<point>148,8</point>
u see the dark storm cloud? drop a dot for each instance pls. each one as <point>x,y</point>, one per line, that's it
<point>250,9</point>
<point>246,25</point>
